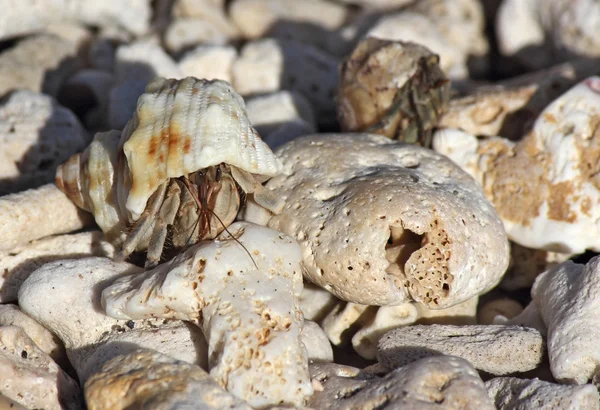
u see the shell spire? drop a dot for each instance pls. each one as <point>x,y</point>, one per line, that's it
<point>182,126</point>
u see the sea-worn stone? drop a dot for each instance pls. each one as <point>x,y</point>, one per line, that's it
<point>383,223</point>
<point>30,377</point>
<point>318,348</point>
<point>495,349</point>
<point>243,293</point>
<point>442,382</point>
<point>185,33</point>
<point>210,62</point>
<point>511,393</point>
<point>64,296</point>
<point>148,379</point>
<point>505,307</point>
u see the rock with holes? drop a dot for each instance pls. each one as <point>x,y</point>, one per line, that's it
<point>18,263</point>
<point>495,349</point>
<point>148,379</point>
<point>35,214</point>
<point>568,300</point>
<point>11,315</point>
<point>31,378</point>
<point>443,382</point>
<point>64,296</point>
<point>36,135</point>
<point>270,65</point>
<point>511,393</point>
<point>545,187</point>
<point>243,293</point>
<point>383,223</point>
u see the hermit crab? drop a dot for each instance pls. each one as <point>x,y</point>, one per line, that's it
<point>177,173</point>
<point>392,88</point>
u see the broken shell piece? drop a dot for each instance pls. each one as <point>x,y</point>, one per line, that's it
<point>148,379</point>
<point>509,393</point>
<point>37,213</point>
<point>387,223</point>
<point>423,384</point>
<point>64,296</point>
<point>546,198</point>
<point>30,376</point>
<point>568,297</point>
<point>36,135</point>
<point>495,349</point>
<point>246,304</point>
<point>394,89</point>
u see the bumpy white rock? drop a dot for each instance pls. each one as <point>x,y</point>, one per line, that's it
<point>510,393</point>
<point>30,377</point>
<point>148,379</point>
<point>64,296</point>
<point>545,186</point>
<point>387,223</point>
<point>244,297</point>
<point>568,297</point>
<point>495,349</point>
<point>210,62</point>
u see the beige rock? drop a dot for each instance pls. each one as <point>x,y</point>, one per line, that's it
<point>8,404</point>
<point>37,213</point>
<point>567,297</point>
<point>73,32</point>
<point>495,349</point>
<point>462,314</point>
<point>30,377</point>
<point>546,198</point>
<point>270,65</point>
<point>378,4</point>
<point>505,307</point>
<point>210,62</point>
<point>20,262</point>
<point>316,302</point>
<point>257,18</point>
<point>318,348</point>
<point>529,317</point>
<point>511,393</point>
<point>195,8</point>
<point>189,32</point>
<point>11,315</point>
<point>367,242</point>
<point>64,296</point>
<point>36,135</point>
<point>148,379</point>
<point>244,296</point>
<point>342,317</point>
<point>442,382</point>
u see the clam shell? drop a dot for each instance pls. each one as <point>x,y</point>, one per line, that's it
<point>182,126</point>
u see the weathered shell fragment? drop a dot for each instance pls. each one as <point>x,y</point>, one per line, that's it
<point>568,297</point>
<point>511,393</point>
<point>65,297</point>
<point>366,241</point>
<point>545,186</point>
<point>432,383</point>
<point>31,378</point>
<point>36,135</point>
<point>37,213</point>
<point>148,379</point>
<point>246,304</point>
<point>495,349</point>
<point>394,89</point>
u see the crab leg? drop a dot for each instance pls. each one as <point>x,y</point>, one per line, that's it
<point>263,196</point>
<point>140,227</point>
<point>166,216</point>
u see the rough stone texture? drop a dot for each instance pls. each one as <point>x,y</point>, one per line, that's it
<point>64,296</point>
<point>510,393</point>
<point>26,16</point>
<point>39,64</point>
<point>545,197</point>
<point>147,379</point>
<point>443,382</point>
<point>270,65</point>
<point>318,348</point>
<point>496,349</point>
<point>209,62</point>
<point>17,264</point>
<point>244,296</point>
<point>37,213</point>
<point>30,377</point>
<point>366,240</point>
<point>185,33</point>
<point>11,315</point>
<point>568,298</point>
<point>36,135</point>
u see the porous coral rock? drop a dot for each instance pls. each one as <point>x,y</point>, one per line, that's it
<point>383,223</point>
<point>244,295</point>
